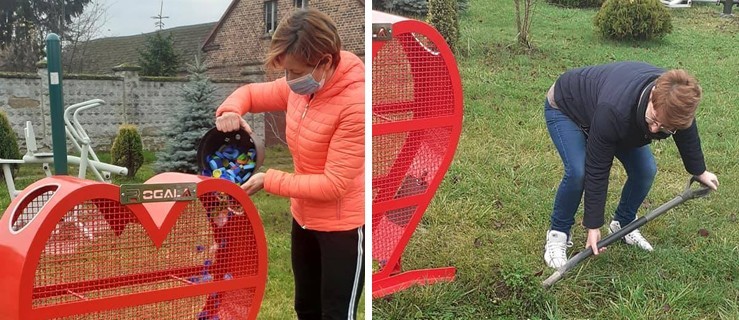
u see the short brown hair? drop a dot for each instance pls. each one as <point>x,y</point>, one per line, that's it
<point>306,34</point>
<point>677,93</point>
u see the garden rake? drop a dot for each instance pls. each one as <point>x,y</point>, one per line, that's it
<point>689,193</point>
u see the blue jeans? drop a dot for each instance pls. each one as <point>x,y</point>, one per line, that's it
<point>570,141</point>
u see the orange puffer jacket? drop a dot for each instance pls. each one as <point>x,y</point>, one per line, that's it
<point>326,138</point>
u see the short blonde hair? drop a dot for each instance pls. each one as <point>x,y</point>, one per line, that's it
<point>306,34</point>
<point>676,96</point>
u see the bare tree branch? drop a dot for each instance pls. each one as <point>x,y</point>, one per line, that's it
<point>87,26</point>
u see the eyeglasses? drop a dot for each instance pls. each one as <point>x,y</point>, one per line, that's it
<point>652,121</point>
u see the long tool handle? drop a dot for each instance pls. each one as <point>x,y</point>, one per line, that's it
<point>688,193</point>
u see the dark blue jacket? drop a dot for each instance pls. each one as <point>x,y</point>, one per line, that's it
<point>609,102</point>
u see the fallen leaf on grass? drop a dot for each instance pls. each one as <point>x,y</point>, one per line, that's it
<point>703,233</point>
<point>478,242</point>
<point>498,224</point>
<point>498,204</point>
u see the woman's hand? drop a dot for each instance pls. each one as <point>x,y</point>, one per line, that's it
<point>254,184</point>
<point>231,121</point>
<point>592,241</point>
<point>709,179</point>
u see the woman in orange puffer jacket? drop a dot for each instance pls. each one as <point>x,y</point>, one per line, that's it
<point>323,95</point>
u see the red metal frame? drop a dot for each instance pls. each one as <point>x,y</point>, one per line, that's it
<point>26,250</point>
<point>422,121</point>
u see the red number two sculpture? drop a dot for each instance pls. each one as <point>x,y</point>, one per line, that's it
<point>416,123</point>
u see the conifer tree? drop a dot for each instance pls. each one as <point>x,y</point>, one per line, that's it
<point>191,122</point>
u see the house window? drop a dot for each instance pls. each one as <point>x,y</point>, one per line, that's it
<point>270,16</point>
<point>300,3</point>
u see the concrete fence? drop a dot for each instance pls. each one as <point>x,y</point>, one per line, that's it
<point>151,103</point>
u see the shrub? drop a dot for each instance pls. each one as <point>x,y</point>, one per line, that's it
<point>8,143</point>
<point>414,8</point>
<point>443,16</point>
<point>577,3</point>
<point>633,19</point>
<point>127,150</point>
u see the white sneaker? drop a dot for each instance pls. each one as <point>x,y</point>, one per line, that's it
<point>633,238</point>
<point>555,251</point>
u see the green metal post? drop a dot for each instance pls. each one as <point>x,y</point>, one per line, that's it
<point>56,101</point>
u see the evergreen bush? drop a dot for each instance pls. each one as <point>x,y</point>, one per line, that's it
<point>443,16</point>
<point>8,143</point>
<point>413,8</point>
<point>633,20</point>
<point>127,150</point>
<point>577,3</point>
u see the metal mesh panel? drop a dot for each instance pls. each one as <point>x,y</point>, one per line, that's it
<point>179,309</point>
<point>413,155</point>
<point>30,207</point>
<point>387,228</point>
<point>100,250</point>
<point>410,80</point>
<point>408,163</point>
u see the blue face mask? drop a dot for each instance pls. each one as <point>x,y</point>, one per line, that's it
<point>306,84</point>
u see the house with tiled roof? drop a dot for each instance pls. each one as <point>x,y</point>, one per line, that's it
<point>237,45</point>
<point>101,55</point>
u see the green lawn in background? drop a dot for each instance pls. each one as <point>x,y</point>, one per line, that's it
<point>274,211</point>
<point>491,212</point>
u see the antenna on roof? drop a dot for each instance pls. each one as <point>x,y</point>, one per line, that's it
<point>159,17</point>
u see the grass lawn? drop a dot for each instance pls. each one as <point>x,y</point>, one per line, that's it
<point>490,215</point>
<point>276,218</point>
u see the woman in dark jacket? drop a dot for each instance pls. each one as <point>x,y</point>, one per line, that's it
<point>597,113</point>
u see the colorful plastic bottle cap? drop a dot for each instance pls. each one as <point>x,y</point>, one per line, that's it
<point>213,165</point>
<point>217,173</point>
<point>249,166</point>
<point>242,158</point>
<point>231,152</point>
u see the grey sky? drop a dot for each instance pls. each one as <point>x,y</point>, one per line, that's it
<point>128,17</point>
